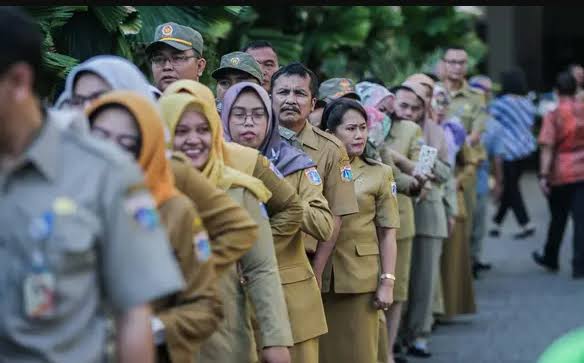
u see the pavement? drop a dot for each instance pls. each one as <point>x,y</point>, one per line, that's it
<point>522,308</point>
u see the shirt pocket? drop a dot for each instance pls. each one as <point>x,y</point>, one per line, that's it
<point>295,273</point>
<point>74,242</point>
<point>367,249</point>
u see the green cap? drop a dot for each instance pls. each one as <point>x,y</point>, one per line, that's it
<point>334,88</point>
<point>177,36</point>
<point>239,61</point>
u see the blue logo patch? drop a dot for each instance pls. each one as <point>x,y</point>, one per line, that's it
<point>313,176</point>
<point>393,189</point>
<point>202,246</point>
<point>346,173</point>
<point>276,171</point>
<point>147,217</point>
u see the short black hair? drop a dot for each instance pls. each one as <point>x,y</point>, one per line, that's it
<point>451,47</point>
<point>513,81</point>
<point>566,84</point>
<point>333,113</point>
<point>298,69</point>
<point>255,44</point>
<point>22,40</point>
<point>396,89</point>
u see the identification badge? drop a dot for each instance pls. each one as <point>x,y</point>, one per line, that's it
<point>39,290</point>
<point>346,173</point>
<point>313,176</point>
<point>202,246</point>
<point>39,294</point>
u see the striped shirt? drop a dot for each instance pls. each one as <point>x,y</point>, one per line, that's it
<point>516,115</point>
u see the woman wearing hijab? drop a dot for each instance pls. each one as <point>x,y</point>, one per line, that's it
<point>284,207</point>
<point>247,120</point>
<point>456,272</point>
<point>192,315</point>
<point>363,262</point>
<point>99,75</point>
<point>195,130</point>
<point>230,227</point>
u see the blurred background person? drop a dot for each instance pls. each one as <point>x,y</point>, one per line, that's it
<point>516,114</point>
<point>562,174</point>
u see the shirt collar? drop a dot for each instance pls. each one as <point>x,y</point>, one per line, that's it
<point>462,91</point>
<point>43,152</point>
<point>308,136</point>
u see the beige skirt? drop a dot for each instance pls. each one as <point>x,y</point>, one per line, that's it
<point>353,324</point>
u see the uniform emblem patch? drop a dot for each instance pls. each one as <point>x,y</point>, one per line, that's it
<point>140,206</point>
<point>202,246</point>
<point>234,61</point>
<point>167,30</point>
<point>394,189</point>
<point>346,173</point>
<point>313,176</point>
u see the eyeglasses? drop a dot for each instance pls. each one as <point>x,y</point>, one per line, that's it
<point>454,62</point>
<point>79,101</point>
<point>241,116</point>
<point>175,59</point>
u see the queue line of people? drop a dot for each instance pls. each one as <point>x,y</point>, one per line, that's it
<point>260,227</point>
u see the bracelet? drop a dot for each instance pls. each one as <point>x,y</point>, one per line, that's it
<point>387,276</point>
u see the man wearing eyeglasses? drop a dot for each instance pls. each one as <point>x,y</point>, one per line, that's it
<point>469,105</point>
<point>176,53</point>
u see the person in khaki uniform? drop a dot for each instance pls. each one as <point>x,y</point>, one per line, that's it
<point>284,205</point>
<point>247,120</point>
<point>402,147</point>
<point>190,316</point>
<point>468,105</point>
<point>196,130</point>
<point>294,89</point>
<point>430,220</point>
<point>363,263</point>
<point>231,229</point>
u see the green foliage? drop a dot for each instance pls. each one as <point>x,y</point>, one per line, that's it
<point>389,42</point>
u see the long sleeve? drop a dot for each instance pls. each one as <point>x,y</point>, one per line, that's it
<point>259,269</point>
<point>285,207</point>
<point>317,219</point>
<point>191,316</point>
<point>231,229</point>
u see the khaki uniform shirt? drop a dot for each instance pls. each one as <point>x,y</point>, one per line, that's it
<point>77,202</point>
<point>305,307</point>
<point>406,138</point>
<point>355,261</point>
<point>429,212</point>
<point>469,106</point>
<point>230,227</point>
<point>192,315</point>
<point>258,280</point>
<point>334,167</point>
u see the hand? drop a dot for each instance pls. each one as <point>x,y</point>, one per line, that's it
<point>423,194</point>
<point>384,295</point>
<point>544,184</point>
<point>431,176</point>
<point>451,224</point>
<point>276,355</point>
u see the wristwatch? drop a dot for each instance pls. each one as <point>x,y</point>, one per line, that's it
<point>387,276</point>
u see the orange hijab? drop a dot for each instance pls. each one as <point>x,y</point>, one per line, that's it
<point>152,158</point>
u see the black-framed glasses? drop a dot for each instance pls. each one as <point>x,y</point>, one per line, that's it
<point>175,59</point>
<point>240,115</point>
